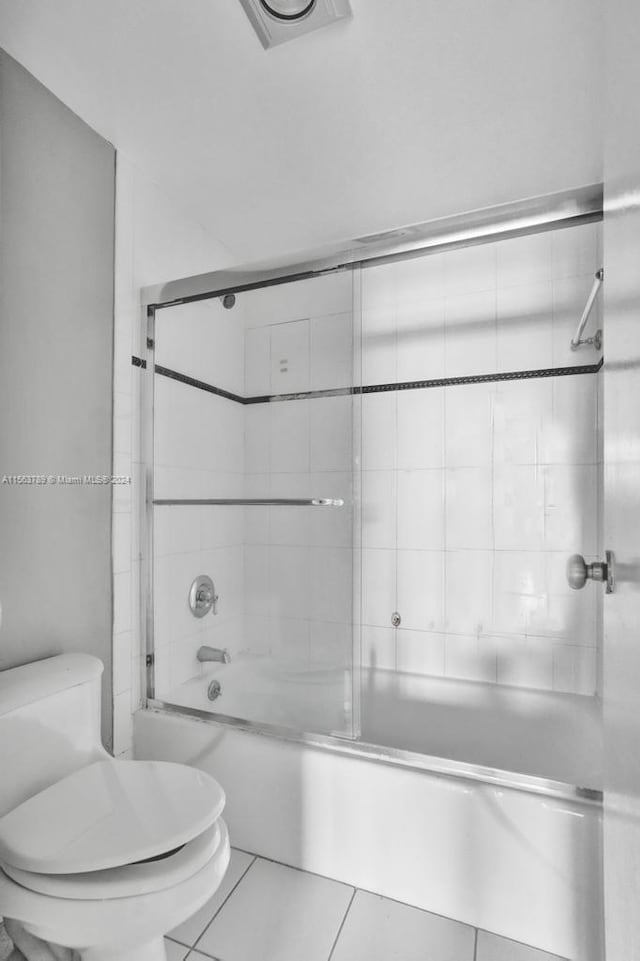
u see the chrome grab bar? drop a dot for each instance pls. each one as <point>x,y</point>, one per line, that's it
<point>596,340</point>
<point>252,502</point>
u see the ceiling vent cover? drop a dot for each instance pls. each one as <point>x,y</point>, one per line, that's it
<point>276,21</point>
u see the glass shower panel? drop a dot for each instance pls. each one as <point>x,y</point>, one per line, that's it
<point>255,419</point>
<point>482,471</point>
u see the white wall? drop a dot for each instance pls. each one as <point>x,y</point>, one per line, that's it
<point>56,334</point>
<point>409,111</point>
<point>475,495</point>
<point>154,241</point>
<point>621,705</point>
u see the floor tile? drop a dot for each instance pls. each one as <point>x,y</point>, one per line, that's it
<point>378,929</point>
<point>278,914</point>
<point>493,948</point>
<point>189,932</point>
<point>175,952</point>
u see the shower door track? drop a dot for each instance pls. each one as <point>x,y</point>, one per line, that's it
<point>568,208</point>
<point>398,757</point>
<point>250,502</point>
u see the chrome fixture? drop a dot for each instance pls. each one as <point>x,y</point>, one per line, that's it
<point>256,502</point>
<point>206,653</point>
<point>202,596</point>
<point>276,21</point>
<point>568,208</point>
<point>396,620</point>
<point>596,340</point>
<point>214,690</point>
<point>579,572</point>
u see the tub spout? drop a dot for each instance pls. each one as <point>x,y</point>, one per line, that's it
<point>213,654</point>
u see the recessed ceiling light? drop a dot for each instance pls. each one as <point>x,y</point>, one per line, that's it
<point>276,21</point>
<point>288,9</point>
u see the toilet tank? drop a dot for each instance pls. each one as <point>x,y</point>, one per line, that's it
<point>49,723</point>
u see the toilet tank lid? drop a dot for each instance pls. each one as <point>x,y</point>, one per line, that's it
<point>29,683</point>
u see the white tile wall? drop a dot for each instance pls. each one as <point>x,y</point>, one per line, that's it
<point>420,429</point>
<point>420,590</point>
<point>474,495</point>
<point>521,309</point>
<point>379,648</point>
<point>316,297</point>
<point>331,351</point>
<point>420,338</point>
<point>417,651</point>
<point>199,451</point>
<point>188,344</point>
<point>290,371</point>
<point>420,509</point>
<point>470,334</point>
<point>298,562</point>
<point>379,424</point>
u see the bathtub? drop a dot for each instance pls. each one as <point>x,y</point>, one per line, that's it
<point>476,802</point>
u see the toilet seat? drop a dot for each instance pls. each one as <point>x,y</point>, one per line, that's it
<point>110,815</point>
<point>130,879</point>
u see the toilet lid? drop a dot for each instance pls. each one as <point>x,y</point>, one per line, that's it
<point>108,814</point>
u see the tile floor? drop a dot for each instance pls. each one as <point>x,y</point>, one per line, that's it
<point>265,911</point>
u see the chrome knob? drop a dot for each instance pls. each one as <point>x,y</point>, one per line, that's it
<point>202,596</point>
<point>579,572</point>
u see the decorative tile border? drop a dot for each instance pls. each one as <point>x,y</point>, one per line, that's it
<point>200,384</point>
<point>377,388</point>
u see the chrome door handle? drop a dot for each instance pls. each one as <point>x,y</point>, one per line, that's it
<point>579,572</point>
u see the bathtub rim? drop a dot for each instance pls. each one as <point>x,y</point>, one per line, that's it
<point>396,757</point>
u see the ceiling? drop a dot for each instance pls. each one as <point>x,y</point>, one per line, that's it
<point>414,109</point>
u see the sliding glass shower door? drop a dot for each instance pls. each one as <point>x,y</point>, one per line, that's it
<point>255,539</point>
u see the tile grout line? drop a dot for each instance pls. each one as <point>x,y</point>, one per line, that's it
<point>342,923</point>
<point>356,889</point>
<point>197,954</point>
<point>193,947</point>
<point>523,944</point>
<point>292,867</point>
<point>346,884</point>
<point>232,891</point>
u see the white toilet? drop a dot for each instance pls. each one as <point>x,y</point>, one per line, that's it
<point>97,855</point>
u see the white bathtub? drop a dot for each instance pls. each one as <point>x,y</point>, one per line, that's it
<point>434,805</point>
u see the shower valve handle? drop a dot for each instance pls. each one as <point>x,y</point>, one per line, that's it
<point>208,598</point>
<point>579,572</point>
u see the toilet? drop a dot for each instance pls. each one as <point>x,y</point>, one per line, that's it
<point>98,855</point>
